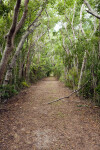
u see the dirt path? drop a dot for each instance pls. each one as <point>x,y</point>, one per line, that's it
<point>28,123</point>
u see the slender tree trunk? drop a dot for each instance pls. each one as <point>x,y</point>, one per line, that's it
<point>77,63</point>
<point>68,36</point>
<point>30,29</point>
<point>66,71</point>
<point>82,69</point>
<point>15,74</point>
<point>81,11</point>
<point>20,65</point>
<point>13,61</point>
<point>99,38</point>
<point>27,63</point>
<point>65,48</point>
<point>9,43</point>
<point>73,21</point>
<point>95,26</point>
<point>11,36</point>
<point>94,82</point>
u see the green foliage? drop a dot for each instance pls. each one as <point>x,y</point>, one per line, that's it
<point>4,9</point>
<point>52,2</point>
<point>61,8</point>
<point>87,91</point>
<point>50,53</point>
<point>40,68</point>
<point>7,91</point>
<point>24,84</point>
<point>97,89</point>
<point>58,67</point>
<point>72,78</point>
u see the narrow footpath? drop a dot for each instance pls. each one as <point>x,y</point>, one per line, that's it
<point>27,122</point>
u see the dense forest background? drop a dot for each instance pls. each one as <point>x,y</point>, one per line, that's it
<point>39,38</point>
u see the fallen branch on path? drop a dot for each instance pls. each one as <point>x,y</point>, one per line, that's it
<point>69,94</point>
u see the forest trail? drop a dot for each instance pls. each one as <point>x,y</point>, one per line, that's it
<point>29,123</point>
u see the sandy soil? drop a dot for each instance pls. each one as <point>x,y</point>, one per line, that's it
<point>27,122</point>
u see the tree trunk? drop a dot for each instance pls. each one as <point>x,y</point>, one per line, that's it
<point>9,43</point>
<point>65,72</point>
<point>13,61</point>
<point>27,63</point>
<point>20,65</point>
<point>81,11</point>
<point>73,21</point>
<point>65,48</point>
<point>11,36</point>
<point>99,39</point>
<point>30,29</point>
<point>82,70</point>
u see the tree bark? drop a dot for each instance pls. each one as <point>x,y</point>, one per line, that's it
<point>22,20</point>
<point>20,66</point>
<point>94,77</point>
<point>82,69</point>
<point>73,20</point>
<point>13,61</point>
<point>66,49</point>
<point>10,41</point>
<point>99,39</point>
<point>81,28</point>
<point>30,29</point>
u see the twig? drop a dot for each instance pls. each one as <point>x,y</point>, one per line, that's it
<point>69,94</point>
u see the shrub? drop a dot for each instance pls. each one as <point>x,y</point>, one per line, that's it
<point>24,84</point>
<point>98,89</point>
<point>72,78</point>
<point>7,91</point>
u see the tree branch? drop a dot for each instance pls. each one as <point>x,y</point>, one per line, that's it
<point>23,16</point>
<point>14,23</point>
<point>39,14</point>
<point>22,20</point>
<point>69,94</point>
<point>91,11</point>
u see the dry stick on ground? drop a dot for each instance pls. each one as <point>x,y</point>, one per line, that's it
<point>69,94</point>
